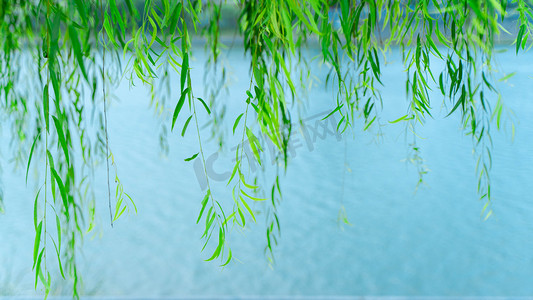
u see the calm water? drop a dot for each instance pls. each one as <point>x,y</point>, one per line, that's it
<point>432,242</point>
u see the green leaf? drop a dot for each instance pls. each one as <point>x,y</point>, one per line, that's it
<point>38,267</point>
<point>184,70</point>
<point>519,37</point>
<point>441,84</point>
<point>58,226</point>
<point>294,6</point>
<point>132,202</point>
<point>506,77</point>
<point>37,243</point>
<point>216,253</point>
<point>58,254</point>
<point>228,260</point>
<point>237,122</point>
<point>109,30</point>
<point>204,203</point>
<point>185,126</point>
<point>192,157</point>
<point>459,102</point>
<point>367,125</point>
<point>62,190</point>
<point>232,215</point>
<point>174,16</point>
<point>334,111</point>
<point>235,168</point>
<point>241,215</point>
<point>205,105</point>
<point>208,221</point>
<point>62,139</point>
<point>252,187</point>
<point>78,53</point>
<point>35,204</point>
<point>248,208</point>
<point>251,197</point>
<point>154,33</point>
<point>254,144</point>
<point>46,107</point>
<point>81,10</point>
<point>177,110</point>
<point>406,117</point>
<point>119,214</point>
<point>488,215</point>
<point>31,154</point>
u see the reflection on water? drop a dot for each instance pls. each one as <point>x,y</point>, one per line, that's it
<point>432,242</point>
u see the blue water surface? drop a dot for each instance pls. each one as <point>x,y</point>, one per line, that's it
<point>432,242</point>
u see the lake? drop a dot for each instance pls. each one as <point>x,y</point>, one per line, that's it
<point>432,242</point>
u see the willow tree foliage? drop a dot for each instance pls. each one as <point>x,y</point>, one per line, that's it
<point>61,59</point>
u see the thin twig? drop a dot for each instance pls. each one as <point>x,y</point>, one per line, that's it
<point>105,115</point>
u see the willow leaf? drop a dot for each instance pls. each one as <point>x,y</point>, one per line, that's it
<point>31,155</point>
<point>179,106</point>
<point>192,157</point>
<point>62,138</point>
<point>185,126</point>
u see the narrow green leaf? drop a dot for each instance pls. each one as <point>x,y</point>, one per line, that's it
<point>58,254</point>
<point>232,215</point>
<point>78,53</point>
<point>132,202</point>
<point>204,203</point>
<point>241,215</point>
<point>46,107</point>
<point>208,221</point>
<point>235,168</point>
<point>110,30</point>
<point>192,157</point>
<point>62,139</point>
<point>81,10</point>
<point>254,144</point>
<point>459,102</point>
<point>58,226</point>
<point>406,117</point>
<point>310,23</point>
<point>506,77</point>
<point>335,110</point>
<point>185,126</point>
<point>441,84</point>
<point>227,261</point>
<point>184,70</point>
<point>248,208</point>
<point>252,187</point>
<point>31,155</point>
<point>487,83</point>
<point>488,215</point>
<point>174,16</point>
<point>237,122</point>
<point>216,253</point>
<point>367,125</point>
<point>205,105</point>
<point>177,110</point>
<point>120,214</point>
<point>37,243</point>
<point>252,197</point>
<point>37,266</point>
<point>520,36</point>
<point>35,204</point>
<point>62,190</point>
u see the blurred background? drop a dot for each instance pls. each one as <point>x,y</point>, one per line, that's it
<point>401,240</point>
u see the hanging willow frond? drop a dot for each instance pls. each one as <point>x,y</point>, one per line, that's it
<point>53,106</point>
